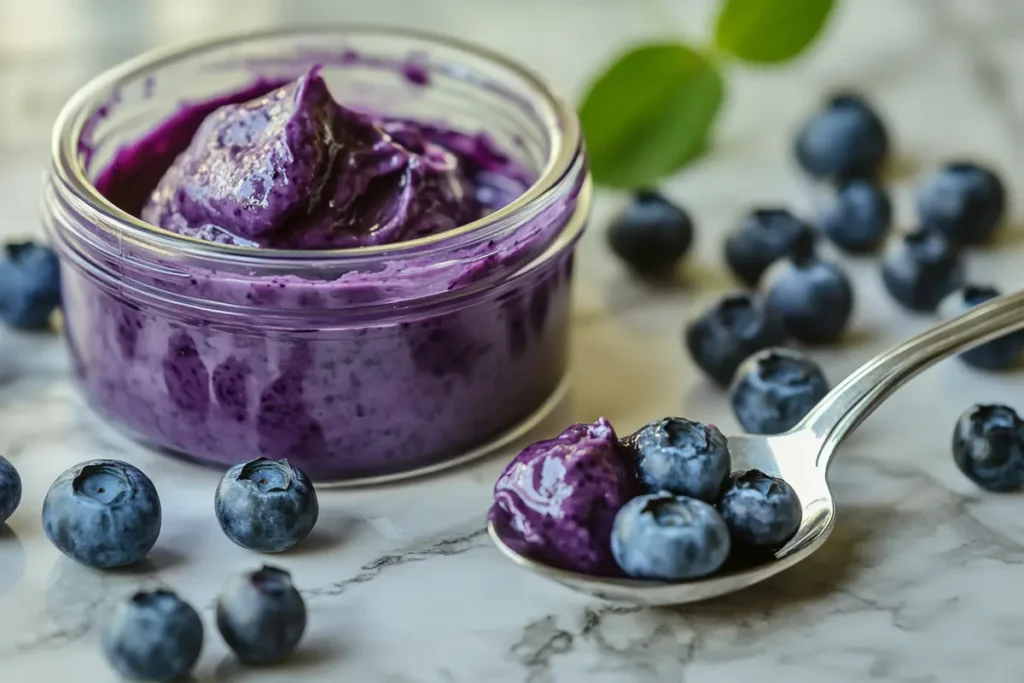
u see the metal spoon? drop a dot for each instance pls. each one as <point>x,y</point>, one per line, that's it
<point>802,456</point>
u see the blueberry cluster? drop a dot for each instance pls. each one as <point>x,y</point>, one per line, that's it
<point>156,636</point>
<point>695,515</point>
<point>795,293</point>
<point>107,514</point>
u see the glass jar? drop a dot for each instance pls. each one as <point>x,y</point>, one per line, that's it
<point>358,364</point>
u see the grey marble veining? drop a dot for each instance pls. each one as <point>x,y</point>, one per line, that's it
<point>917,585</point>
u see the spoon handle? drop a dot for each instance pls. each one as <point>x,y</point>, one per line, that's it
<point>857,396</point>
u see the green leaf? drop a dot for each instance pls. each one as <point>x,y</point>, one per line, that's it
<point>649,114</point>
<point>769,31</point>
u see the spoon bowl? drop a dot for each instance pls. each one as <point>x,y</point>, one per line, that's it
<point>802,457</point>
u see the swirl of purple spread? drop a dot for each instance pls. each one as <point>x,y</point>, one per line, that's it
<point>556,501</point>
<point>293,169</point>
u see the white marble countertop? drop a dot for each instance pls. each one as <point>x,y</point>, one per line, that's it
<point>919,582</point>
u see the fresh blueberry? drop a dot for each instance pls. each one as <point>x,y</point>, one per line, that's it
<point>763,237</point>
<point>921,268</point>
<point>682,457</point>
<point>762,512</point>
<point>30,285</point>
<point>153,636</point>
<point>988,446</point>
<point>964,201</point>
<point>857,217</point>
<point>261,616</point>
<point>813,299</point>
<point>661,536</point>
<point>774,389</point>
<point>729,331</point>
<point>266,505</point>
<point>652,234</point>
<point>10,489</point>
<point>845,140</point>
<point>998,354</point>
<point>102,513</point>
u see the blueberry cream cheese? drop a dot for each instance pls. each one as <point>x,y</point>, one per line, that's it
<point>274,247</point>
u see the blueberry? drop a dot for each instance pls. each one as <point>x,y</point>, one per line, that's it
<point>857,217</point>
<point>921,268</point>
<point>30,282</point>
<point>762,512</point>
<point>964,201</point>
<point>845,140</point>
<point>651,235</point>
<point>774,389</point>
<point>988,446</point>
<point>10,489</point>
<point>266,505</point>
<point>998,354</point>
<point>153,636</point>
<point>102,513</point>
<point>682,457</point>
<point>661,536</point>
<point>261,616</point>
<point>763,237</point>
<point>813,299</point>
<point>733,328</point>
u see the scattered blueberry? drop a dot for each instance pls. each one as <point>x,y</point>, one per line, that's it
<point>763,237</point>
<point>261,616</point>
<point>988,446</point>
<point>682,457</point>
<point>774,389</point>
<point>10,489</point>
<point>729,331</point>
<point>153,636</point>
<point>652,234</point>
<point>762,512</point>
<point>30,283</point>
<point>964,201</point>
<point>102,513</point>
<point>845,140</point>
<point>661,536</point>
<point>921,268</point>
<point>266,505</point>
<point>813,299</point>
<point>857,218</point>
<point>998,354</point>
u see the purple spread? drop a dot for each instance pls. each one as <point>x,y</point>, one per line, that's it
<point>282,165</point>
<point>556,502</point>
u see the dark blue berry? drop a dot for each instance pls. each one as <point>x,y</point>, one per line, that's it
<point>845,140</point>
<point>153,636</point>
<point>763,237</point>
<point>651,235</point>
<point>29,285</point>
<point>813,299</point>
<point>775,389</point>
<point>964,201</point>
<point>857,218</point>
<point>988,446</point>
<point>921,268</point>
<point>261,616</point>
<point>729,331</point>
<point>998,354</point>
<point>762,512</point>
<point>682,457</point>
<point>10,489</point>
<point>103,513</point>
<point>661,536</point>
<point>266,505</point>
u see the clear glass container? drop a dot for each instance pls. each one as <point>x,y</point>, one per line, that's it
<point>359,364</point>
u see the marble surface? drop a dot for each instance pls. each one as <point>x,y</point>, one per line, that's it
<point>917,584</point>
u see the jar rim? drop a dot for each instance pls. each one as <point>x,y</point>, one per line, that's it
<point>558,116</point>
